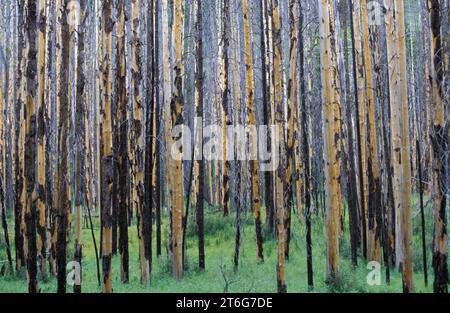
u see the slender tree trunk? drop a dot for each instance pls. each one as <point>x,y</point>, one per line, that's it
<point>200,181</point>
<point>422,212</point>
<point>351,173</point>
<point>249,84</point>
<point>374,196</point>
<point>30,89</point>
<point>41,205</point>
<point>138,145</point>
<point>280,172</point>
<point>329,152</point>
<point>158,110</point>
<point>63,191</point>
<point>106,168</point>
<point>408,282</point>
<point>289,142</point>
<point>268,175</point>
<point>149,138</point>
<point>305,149</point>
<point>439,139</point>
<point>123,145</point>
<point>359,90</point>
<point>80,163</point>
<point>177,119</point>
<point>226,116</point>
<point>19,139</point>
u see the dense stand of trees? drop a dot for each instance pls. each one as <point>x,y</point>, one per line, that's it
<point>91,90</point>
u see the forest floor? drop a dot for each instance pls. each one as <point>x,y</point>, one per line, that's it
<point>250,276</point>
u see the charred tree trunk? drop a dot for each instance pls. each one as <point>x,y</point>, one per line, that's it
<point>200,181</point>
<point>305,149</point>
<point>106,166</point>
<point>439,141</point>
<point>63,192</point>
<point>122,154</point>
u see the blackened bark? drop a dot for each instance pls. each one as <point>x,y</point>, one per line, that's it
<point>440,146</point>
<point>268,175</point>
<point>63,133</point>
<point>122,153</point>
<point>80,172</point>
<point>18,170</point>
<point>5,224</point>
<point>158,109</point>
<point>305,148</point>
<point>389,214</point>
<point>149,135</point>
<point>422,213</point>
<point>350,166</point>
<point>358,135</point>
<point>225,92</point>
<point>201,163</point>
<point>30,144</point>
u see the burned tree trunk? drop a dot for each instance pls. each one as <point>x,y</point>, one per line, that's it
<point>439,141</point>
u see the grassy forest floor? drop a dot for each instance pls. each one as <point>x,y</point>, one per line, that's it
<point>250,277</point>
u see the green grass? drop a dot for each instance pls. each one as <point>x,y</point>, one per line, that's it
<point>250,277</point>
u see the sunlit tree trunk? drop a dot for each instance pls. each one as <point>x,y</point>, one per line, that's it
<point>249,84</point>
<point>177,119</point>
<point>374,195</point>
<point>395,100</point>
<point>41,205</point>
<point>332,208</point>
